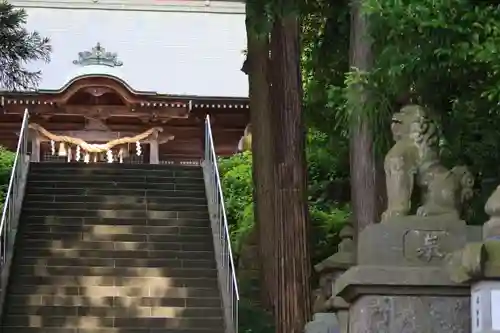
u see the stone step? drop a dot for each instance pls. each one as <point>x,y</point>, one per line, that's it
<point>177,287</point>
<point>34,228</point>
<point>112,213</point>
<point>65,298</point>
<point>106,245</point>
<point>202,298</point>
<point>130,179</point>
<point>108,330</point>
<point>110,299</point>
<point>169,287</point>
<point>119,185</point>
<point>136,222</point>
<point>114,249</point>
<point>116,311</point>
<point>50,191</point>
<point>96,322</point>
<point>114,306</point>
<point>114,165</point>
<point>116,233</point>
<point>116,169</point>
<point>116,262</point>
<point>173,273</point>
<point>133,177</point>
<point>141,206</point>
<point>113,254</point>
<point>125,178</point>
<point>171,198</point>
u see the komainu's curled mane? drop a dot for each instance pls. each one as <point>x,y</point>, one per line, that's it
<point>414,159</point>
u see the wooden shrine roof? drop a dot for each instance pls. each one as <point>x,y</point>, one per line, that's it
<point>107,102</point>
<point>128,68</point>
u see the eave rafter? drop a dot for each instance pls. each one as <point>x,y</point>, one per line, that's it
<point>44,99</point>
<point>222,106</point>
<point>102,111</point>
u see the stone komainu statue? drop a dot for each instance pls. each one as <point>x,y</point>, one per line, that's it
<point>414,159</point>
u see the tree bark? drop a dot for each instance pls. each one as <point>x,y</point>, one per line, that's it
<point>262,154</point>
<point>363,167</point>
<point>291,234</point>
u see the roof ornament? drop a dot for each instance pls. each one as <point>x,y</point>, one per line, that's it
<point>98,56</point>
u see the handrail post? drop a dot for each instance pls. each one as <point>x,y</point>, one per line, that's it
<point>220,230</point>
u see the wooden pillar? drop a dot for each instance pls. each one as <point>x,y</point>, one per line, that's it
<point>154,154</point>
<point>35,149</point>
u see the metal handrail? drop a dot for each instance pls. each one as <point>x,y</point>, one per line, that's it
<point>220,230</point>
<point>12,207</point>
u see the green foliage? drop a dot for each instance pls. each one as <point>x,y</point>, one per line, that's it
<point>325,61</point>
<point>6,161</point>
<point>327,216</point>
<point>236,181</point>
<point>326,167</point>
<point>253,319</point>
<point>325,160</point>
<point>17,47</point>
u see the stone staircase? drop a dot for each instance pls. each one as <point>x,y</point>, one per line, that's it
<point>113,249</point>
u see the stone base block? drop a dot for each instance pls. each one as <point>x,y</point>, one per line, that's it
<point>411,241</point>
<point>402,282</point>
<point>410,314</point>
<point>387,280</point>
<point>385,299</point>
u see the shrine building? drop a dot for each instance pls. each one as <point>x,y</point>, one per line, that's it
<point>132,81</point>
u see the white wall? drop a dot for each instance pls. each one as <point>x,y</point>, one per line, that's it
<point>170,52</point>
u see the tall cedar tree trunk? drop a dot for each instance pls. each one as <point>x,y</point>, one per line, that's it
<point>291,237</point>
<point>364,195</point>
<point>262,153</point>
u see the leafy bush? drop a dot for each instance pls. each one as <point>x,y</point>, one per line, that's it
<point>236,179</point>
<point>326,168</point>
<point>6,162</point>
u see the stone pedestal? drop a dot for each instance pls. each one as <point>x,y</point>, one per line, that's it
<point>401,282</point>
<point>410,314</point>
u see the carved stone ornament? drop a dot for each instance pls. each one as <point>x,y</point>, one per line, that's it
<point>98,56</point>
<point>414,159</point>
<point>430,248</point>
<point>491,229</point>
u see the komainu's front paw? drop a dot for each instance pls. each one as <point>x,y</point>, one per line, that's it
<point>422,211</point>
<point>385,216</point>
<point>389,214</point>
